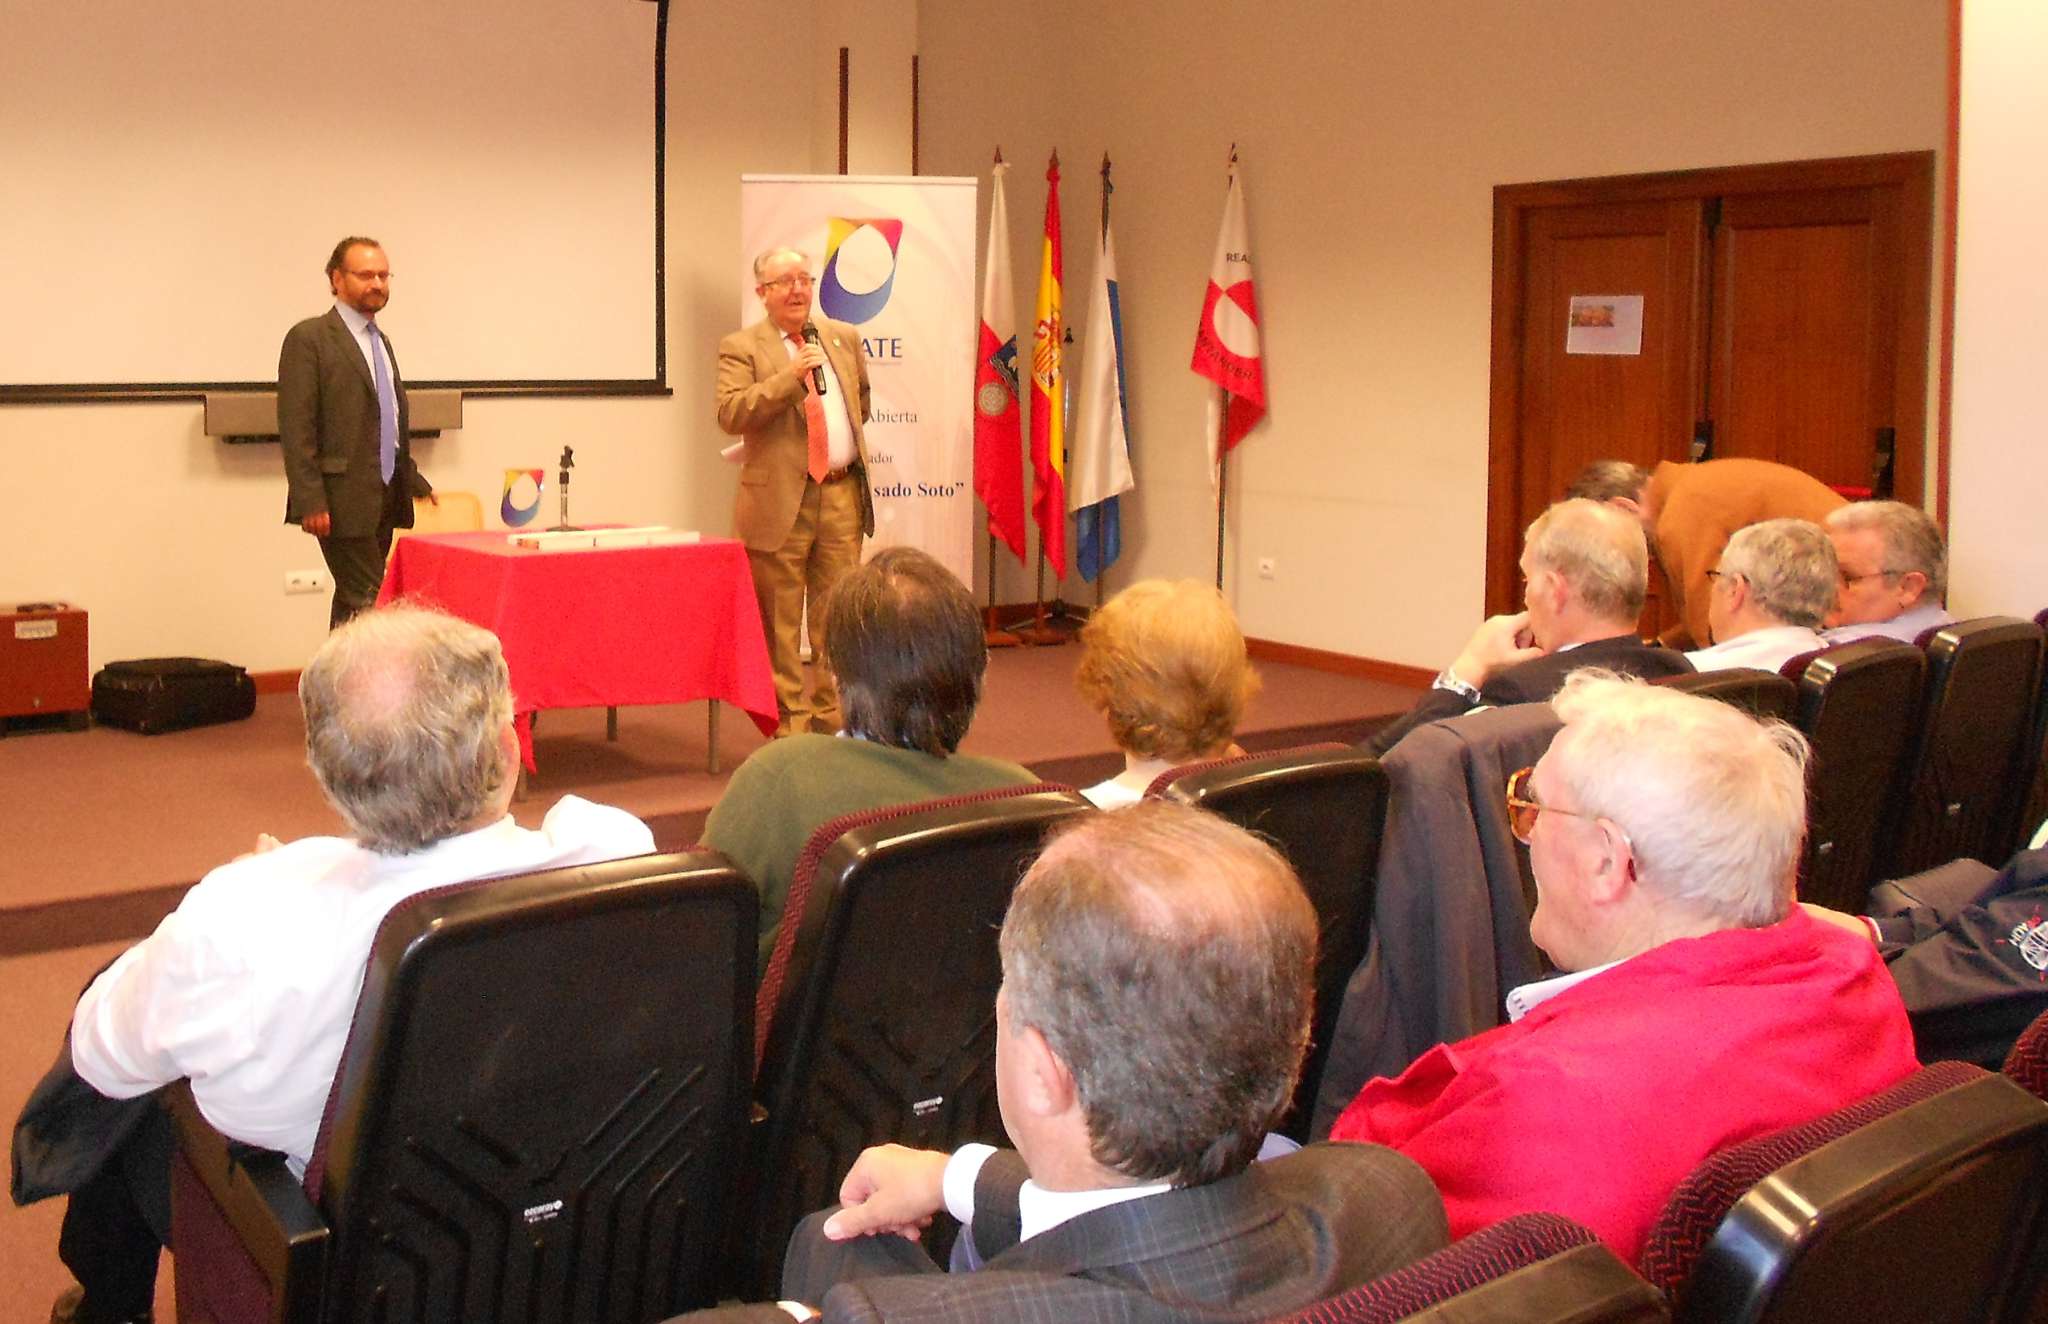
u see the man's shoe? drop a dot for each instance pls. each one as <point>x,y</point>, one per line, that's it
<point>67,1309</point>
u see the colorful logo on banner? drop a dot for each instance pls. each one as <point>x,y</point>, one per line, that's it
<point>860,266</point>
<point>522,497</point>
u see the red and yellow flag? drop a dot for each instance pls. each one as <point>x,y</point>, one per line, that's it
<point>1048,390</point>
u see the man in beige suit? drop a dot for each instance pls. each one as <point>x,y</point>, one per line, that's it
<point>803,503</point>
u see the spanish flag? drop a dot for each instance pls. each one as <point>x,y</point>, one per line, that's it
<point>1048,390</point>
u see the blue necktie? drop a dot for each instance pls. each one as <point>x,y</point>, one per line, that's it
<point>387,407</point>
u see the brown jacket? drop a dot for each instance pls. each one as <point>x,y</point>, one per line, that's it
<point>1700,505</point>
<point>761,398</point>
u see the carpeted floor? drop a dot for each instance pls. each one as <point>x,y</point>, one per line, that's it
<point>105,830</point>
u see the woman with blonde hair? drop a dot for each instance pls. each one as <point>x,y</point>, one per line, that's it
<point>1165,664</point>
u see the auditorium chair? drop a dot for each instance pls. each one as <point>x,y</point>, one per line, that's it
<point>1858,704</point>
<point>1325,808</point>
<point>1970,747</point>
<point>2033,789</point>
<point>2027,1063</point>
<point>536,1115</point>
<point>1924,1202</point>
<point>875,1019</point>
<point>1758,693</point>
<point>1528,1269</point>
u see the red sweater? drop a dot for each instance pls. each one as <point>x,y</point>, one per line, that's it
<point>1598,1102</point>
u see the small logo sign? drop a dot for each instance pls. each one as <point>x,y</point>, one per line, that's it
<point>522,497</point>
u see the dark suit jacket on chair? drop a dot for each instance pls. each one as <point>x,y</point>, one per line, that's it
<point>1275,1237</point>
<point>327,426</point>
<point>1534,681</point>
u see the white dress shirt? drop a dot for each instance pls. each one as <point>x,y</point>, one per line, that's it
<point>1906,627</point>
<point>839,449</point>
<point>1766,649</point>
<point>249,986</point>
<point>359,327</point>
<point>1038,1210</point>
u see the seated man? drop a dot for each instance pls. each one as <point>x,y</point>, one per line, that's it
<point>249,987</point>
<point>1157,985</point>
<point>907,649</point>
<point>1775,584</point>
<point>1894,572</point>
<point>1699,1006</point>
<point>1586,571</point>
<point>1689,511</point>
<point>1164,663</point>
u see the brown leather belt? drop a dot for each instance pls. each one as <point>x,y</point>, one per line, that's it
<point>836,475</point>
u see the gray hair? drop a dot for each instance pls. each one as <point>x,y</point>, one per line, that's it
<point>404,711</point>
<point>1790,566</point>
<point>1912,540</point>
<point>1605,480</point>
<point>1713,801</point>
<point>762,260</point>
<point>1600,553</point>
<point>1168,958</point>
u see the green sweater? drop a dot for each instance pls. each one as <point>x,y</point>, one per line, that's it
<point>791,787</point>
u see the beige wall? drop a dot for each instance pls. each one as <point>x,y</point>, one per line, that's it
<point>1999,475</point>
<point>1372,136</point>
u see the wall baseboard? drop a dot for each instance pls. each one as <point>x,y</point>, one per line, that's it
<point>275,682</point>
<point>1342,664</point>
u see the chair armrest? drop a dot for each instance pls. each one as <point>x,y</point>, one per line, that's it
<point>264,1205</point>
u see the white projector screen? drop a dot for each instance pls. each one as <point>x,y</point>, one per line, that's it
<point>176,174</point>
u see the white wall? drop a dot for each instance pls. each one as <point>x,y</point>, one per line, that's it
<point>174,543</point>
<point>1372,136</point>
<point>1999,478</point>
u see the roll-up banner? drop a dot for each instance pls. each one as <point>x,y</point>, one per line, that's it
<point>894,256</point>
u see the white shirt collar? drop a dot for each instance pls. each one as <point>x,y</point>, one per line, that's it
<point>357,323</point>
<point>1040,1210</point>
<point>1526,998</point>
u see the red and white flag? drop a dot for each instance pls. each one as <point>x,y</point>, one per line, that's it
<point>1227,341</point>
<point>998,426</point>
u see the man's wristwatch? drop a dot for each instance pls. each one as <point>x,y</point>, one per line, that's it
<point>1448,680</point>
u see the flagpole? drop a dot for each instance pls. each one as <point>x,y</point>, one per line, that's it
<point>1222,477</point>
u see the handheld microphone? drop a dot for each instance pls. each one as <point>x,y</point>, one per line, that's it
<point>810,335</point>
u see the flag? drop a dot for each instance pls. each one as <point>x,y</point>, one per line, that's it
<point>1048,384</point>
<point>998,427</point>
<point>1100,465</point>
<point>1227,341</point>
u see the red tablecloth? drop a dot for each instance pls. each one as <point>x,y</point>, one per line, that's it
<point>601,626</point>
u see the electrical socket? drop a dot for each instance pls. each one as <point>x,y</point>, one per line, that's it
<point>305,581</point>
<point>1267,567</point>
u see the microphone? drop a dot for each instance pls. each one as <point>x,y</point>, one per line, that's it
<point>810,335</point>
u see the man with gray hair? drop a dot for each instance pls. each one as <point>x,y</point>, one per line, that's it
<point>1775,584</point>
<point>1894,566</point>
<point>794,389</point>
<point>1157,986</point>
<point>1585,570</point>
<point>1697,1006</point>
<point>248,988</point>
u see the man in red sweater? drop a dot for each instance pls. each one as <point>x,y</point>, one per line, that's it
<point>1699,1007</point>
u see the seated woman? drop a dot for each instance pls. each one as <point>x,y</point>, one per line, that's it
<point>1165,664</point>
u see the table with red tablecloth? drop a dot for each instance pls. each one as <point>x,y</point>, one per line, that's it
<point>601,626</point>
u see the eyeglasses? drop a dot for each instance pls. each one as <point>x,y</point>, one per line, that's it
<point>1850,581</point>
<point>1523,811</point>
<point>800,281</point>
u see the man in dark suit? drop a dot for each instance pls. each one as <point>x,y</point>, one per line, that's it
<point>1153,1016</point>
<point>1586,569</point>
<point>803,504</point>
<point>341,419</point>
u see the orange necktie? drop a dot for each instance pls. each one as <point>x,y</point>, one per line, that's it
<point>814,424</point>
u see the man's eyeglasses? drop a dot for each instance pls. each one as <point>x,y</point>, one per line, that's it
<point>1850,581</point>
<point>1523,809</point>
<point>800,281</point>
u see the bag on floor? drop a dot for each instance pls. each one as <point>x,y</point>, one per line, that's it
<point>157,694</point>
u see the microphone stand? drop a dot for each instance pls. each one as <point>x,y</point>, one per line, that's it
<point>568,463</point>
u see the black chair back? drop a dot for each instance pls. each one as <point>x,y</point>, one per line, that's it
<point>1971,749</point>
<point>1758,693</point>
<point>1859,705</point>
<point>883,1027</point>
<point>536,1116</point>
<point>1933,1213</point>
<point>1325,809</point>
<point>2032,808</point>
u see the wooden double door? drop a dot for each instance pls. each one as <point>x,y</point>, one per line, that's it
<point>1783,316</point>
